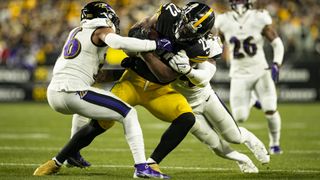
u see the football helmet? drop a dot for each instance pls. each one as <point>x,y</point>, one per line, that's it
<point>241,6</point>
<point>197,21</point>
<point>99,9</point>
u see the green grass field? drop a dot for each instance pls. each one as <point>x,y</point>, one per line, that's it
<point>32,133</point>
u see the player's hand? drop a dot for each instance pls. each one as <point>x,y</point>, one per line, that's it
<point>275,72</point>
<point>180,63</point>
<point>164,44</point>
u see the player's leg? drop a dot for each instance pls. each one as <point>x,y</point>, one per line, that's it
<point>168,105</point>
<point>240,94</point>
<point>77,161</point>
<point>99,104</point>
<point>254,101</point>
<point>218,116</point>
<point>266,90</point>
<point>78,121</point>
<point>207,135</point>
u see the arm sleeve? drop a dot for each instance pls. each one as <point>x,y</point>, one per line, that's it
<point>202,75</point>
<point>128,43</point>
<point>278,50</point>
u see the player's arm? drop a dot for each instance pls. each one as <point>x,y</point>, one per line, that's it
<point>276,43</point>
<point>146,29</point>
<point>163,72</point>
<point>203,73</point>
<point>106,35</point>
<point>278,50</point>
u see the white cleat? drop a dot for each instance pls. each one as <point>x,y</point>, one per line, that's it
<point>258,149</point>
<point>247,167</point>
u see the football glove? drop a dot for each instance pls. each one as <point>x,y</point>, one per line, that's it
<point>164,44</point>
<point>275,72</point>
<point>180,63</point>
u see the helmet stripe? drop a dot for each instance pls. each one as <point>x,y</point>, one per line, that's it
<point>203,18</point>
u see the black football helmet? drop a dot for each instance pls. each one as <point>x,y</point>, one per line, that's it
<point>100,9</point>
<point>241,6</point>
<point>197,21</point>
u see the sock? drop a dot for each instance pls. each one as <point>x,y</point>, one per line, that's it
<point>172,137</point>
<point>81,139</point>
<point>151,161</point>
<point>78,122</point>
<point>274,124</point>
<point>134,136</point>
<point>57,162</point>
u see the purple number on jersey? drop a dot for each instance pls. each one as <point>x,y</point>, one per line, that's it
<point>249,48</point>
<point>73,46</point>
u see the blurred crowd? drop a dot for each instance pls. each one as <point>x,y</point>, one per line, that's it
<point>32,32</point>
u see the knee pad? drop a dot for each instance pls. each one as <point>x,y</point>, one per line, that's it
<point>105,124</point>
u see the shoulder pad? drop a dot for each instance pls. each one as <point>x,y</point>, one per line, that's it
<point>168,16</point>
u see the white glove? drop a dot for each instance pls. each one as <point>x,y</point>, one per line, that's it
<point>180,63</point>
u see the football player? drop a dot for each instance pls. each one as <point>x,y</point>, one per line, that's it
<point>146,81</point>
<point>70,90</point>
<point>243,30</point>
<point>201,46</point>
<point>211,114</point>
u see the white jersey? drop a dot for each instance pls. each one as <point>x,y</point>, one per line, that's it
<point>196,94</point>
<point>80,59</point>
<point>245,41</point>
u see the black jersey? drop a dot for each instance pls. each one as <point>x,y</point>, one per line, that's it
<point>169,15</point>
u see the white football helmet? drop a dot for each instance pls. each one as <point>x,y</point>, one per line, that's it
<point>241,6</point>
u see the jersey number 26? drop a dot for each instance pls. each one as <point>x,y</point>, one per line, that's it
<point>249,48</point>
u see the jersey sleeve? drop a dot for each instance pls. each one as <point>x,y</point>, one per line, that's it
<point>198,51</point>
<point>215,47</point>
<point>264,17</point>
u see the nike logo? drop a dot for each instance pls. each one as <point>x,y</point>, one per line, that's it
<point>208,99</point>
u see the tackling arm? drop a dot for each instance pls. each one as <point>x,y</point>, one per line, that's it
<point>203,73</point>
<point>106,35</point>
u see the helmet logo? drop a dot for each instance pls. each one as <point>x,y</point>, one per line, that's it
<point>102,5</point>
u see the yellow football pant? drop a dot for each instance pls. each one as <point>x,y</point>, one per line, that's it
<point>161,100</point>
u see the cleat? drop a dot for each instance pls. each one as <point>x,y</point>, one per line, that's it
<point>247,167</point>
<point>77,161</point>
<point>258,149</point>
<point>155,167</point>
<point>275,150</point>
<point>48,168</point>
<point>143,170</point>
